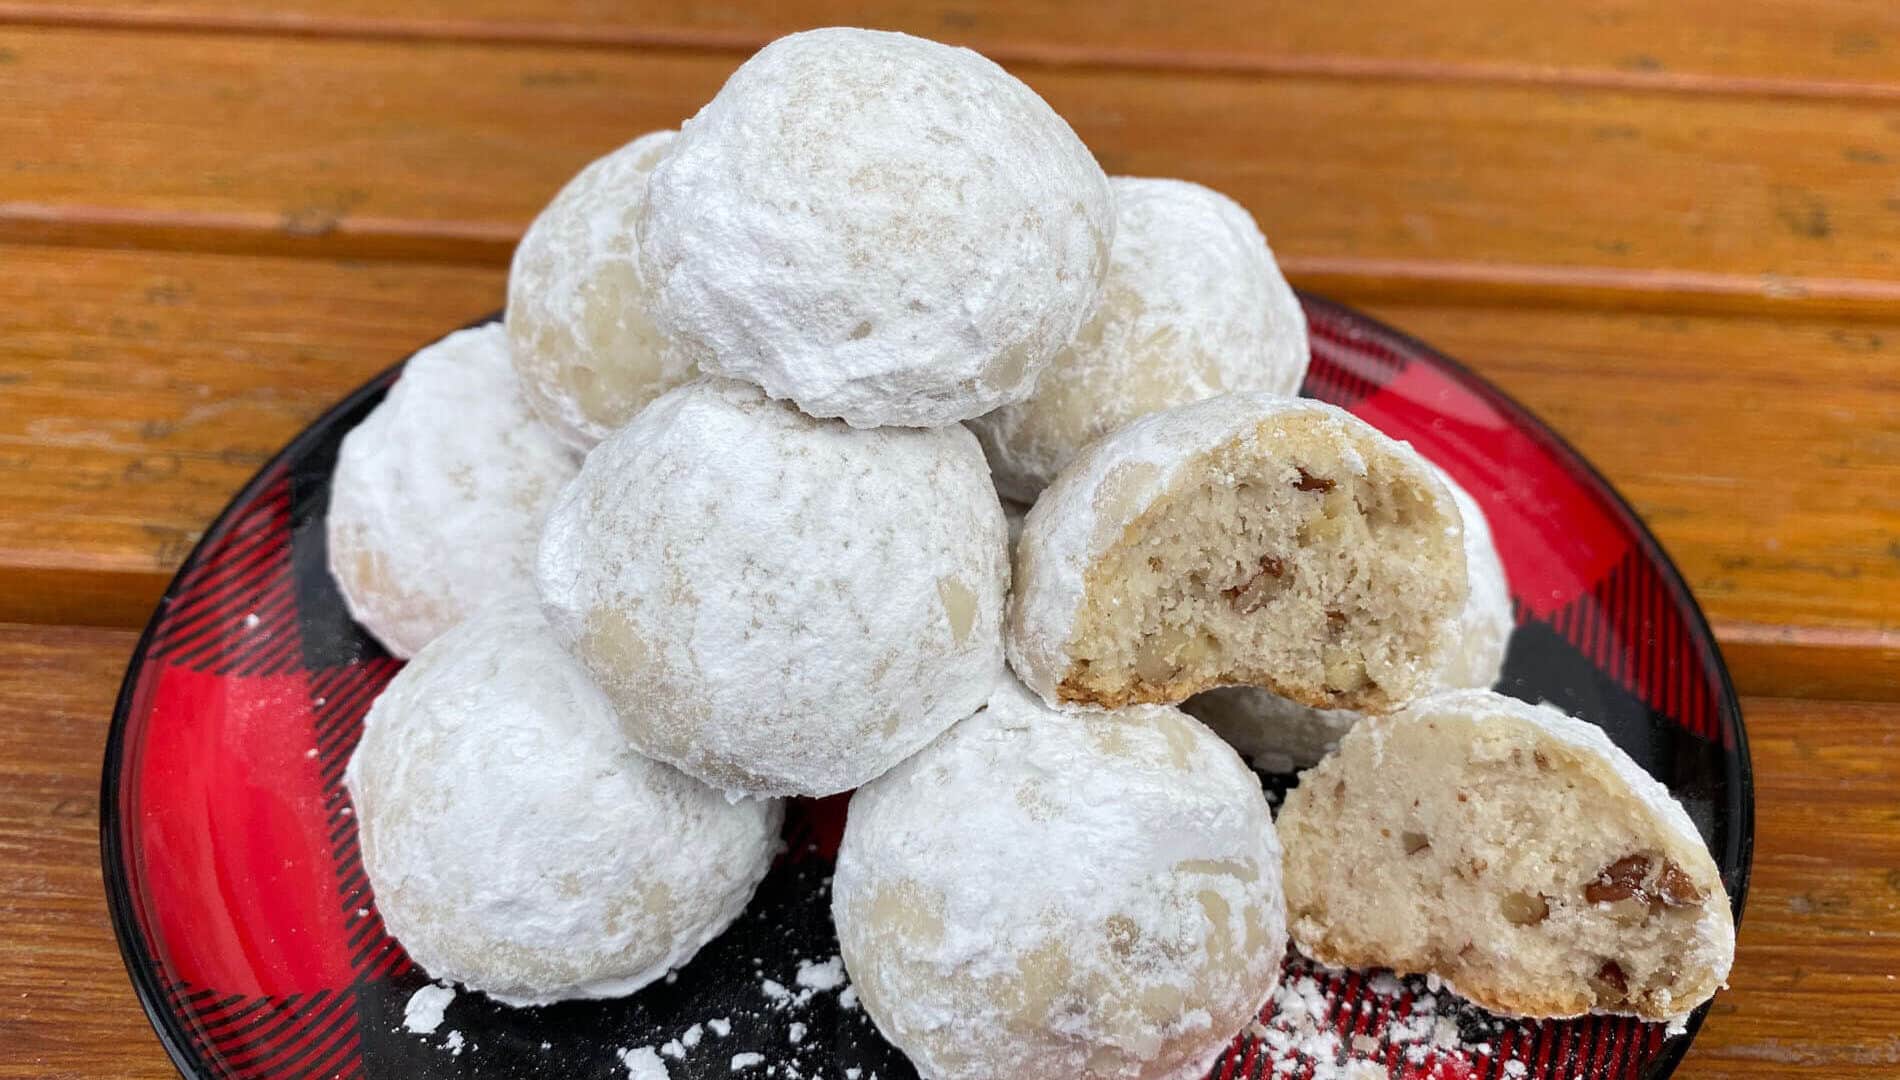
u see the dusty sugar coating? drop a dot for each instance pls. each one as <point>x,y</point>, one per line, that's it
<point>1281,736</point>
<point>1062,893</point>
<point>1193,306</point>
<point>1512,851</point>
<point>438,495</point>
<point>778,604</point>
<point>584,344</point>
<point>877,227</point>
<point>1014,514</point>
<point>1243,539</point>
<point>516,844</point>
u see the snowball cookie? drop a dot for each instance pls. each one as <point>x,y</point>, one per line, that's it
<point>584,345</point>
<point>517,845</point>
<point>1512,851</point>
<point>1281,736</point>
<point>438,494</point>
<point>1042,893</point>
<point>1242,539</point>
<point>776,604</point>
<point>877,227</point>
<point>1193,306</point>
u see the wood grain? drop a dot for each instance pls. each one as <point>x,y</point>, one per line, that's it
<point>68,1010</point>
<point>149,386</point>
<point>1819,941</point>
<point>143,390</point>
<point>371,148</point>
<point>1835,48</point>
<point>1764,453</point>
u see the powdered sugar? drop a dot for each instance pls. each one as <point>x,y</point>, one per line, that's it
<point>422,1013</point>
<point>1095,861</point>
<point>826,975</point>
<point>584,345</point>
<point>515,843</point>
<point>878,227</point>
<point>779,604</point>
<point>1398,1028</point>
<point>643,1064</point>
<point>1193,306</point>
<point>438,494</point>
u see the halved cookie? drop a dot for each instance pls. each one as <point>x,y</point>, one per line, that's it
<point>1512,851</point>
<point>1240,540</point>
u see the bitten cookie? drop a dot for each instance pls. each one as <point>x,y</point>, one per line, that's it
<point>776,604</point>
<point>583,341</point>
<point>1281,736</point>
<point>438,495</point>
<point>514,841</point>
<point>1043,893</point>
<point>1512,851</point>
<point>1244,539</point>
<point>878,228</point>
<point>1193,306</point>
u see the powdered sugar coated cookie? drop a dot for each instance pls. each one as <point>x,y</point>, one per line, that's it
<point>1055,893</point>
<point>877,227</point>
<point>779,604</point>
<point>438,495</point>
<point>514,841</point>
<point>583,341</point>
<point>1193,306</point>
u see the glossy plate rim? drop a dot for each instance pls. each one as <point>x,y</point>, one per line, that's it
<point>142,967</point>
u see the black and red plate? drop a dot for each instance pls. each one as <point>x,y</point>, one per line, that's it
<point>252,937</point>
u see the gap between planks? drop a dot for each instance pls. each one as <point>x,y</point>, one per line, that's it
<point>1041,54</point>
<point>1355,278</point>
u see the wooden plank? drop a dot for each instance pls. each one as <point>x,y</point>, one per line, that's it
<point>1413,187</point>
<point>1808,997</point>
<point>1822,47</point>
<point>1819,950</point>
<point>1764,453</point>
<point>69,1012</point>
<point>142,390</point>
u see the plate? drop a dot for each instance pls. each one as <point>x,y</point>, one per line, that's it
<point>248,927</point>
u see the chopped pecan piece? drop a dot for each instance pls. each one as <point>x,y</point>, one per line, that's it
<point>1524,909</point>
<point>1309,482</point>
<point>1621,880</point>
<point>1674,888</point>
<point>1611,976</point>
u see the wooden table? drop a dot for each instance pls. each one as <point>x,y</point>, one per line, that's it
<point>1672,230</point>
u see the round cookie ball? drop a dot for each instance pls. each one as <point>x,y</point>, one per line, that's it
<point>1043,893</point>
<point>877,227</point>
<point>438,495</point>
<point>1279,735</point>
<point>584,346</point>
<point>514,841</point>
<point>1193,306</point>
<point>776,604</point>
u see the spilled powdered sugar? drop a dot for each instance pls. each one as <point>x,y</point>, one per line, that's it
<point>1398,1028</point>
<point>423,1012</point>
<point>643,1064</point>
